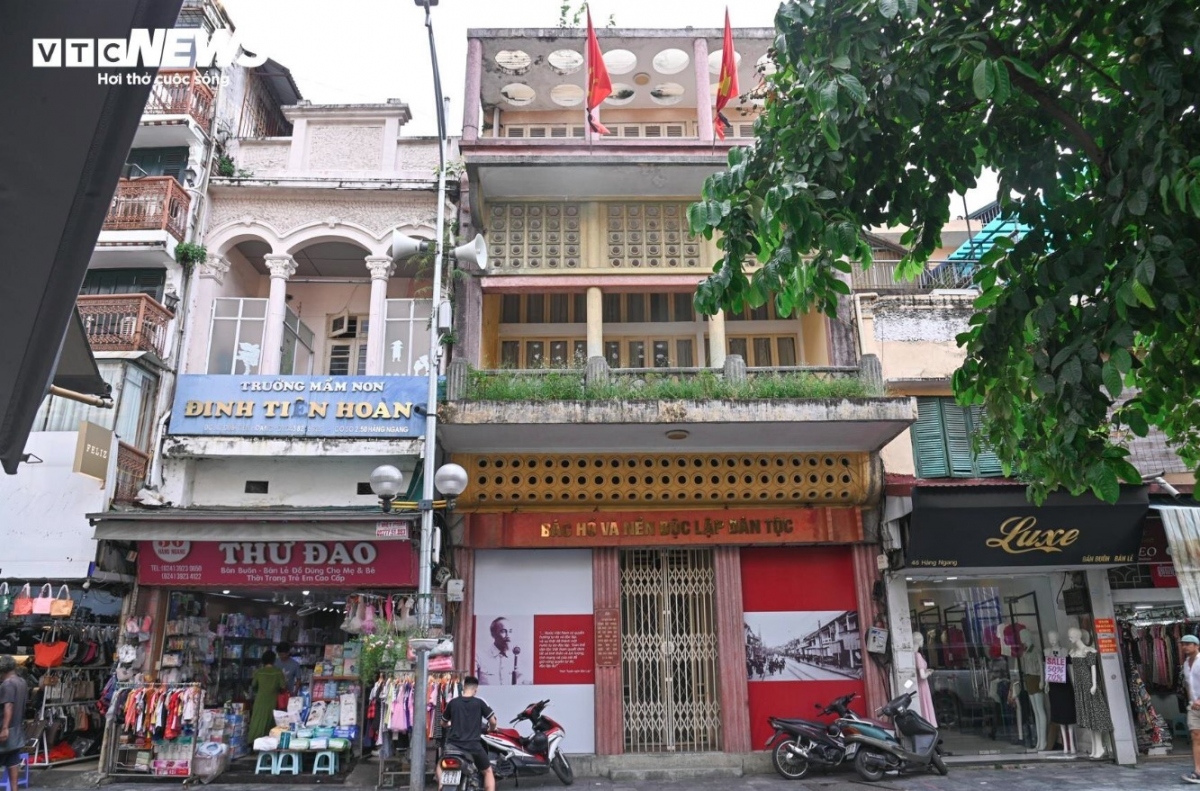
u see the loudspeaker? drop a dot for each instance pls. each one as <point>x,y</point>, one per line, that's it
<point>404,246</point>
<point>474,251</point>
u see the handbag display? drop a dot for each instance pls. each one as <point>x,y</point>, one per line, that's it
<point>41,605</point>
<point>61,607</point>
<point>5,599</point>
<point>23,604</point>
<point>49,654</point>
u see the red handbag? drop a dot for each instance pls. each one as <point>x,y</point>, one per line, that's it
<point>49,654</point>
<point>281,701</point>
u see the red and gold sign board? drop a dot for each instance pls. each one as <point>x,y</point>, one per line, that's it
<point>1106,635</point>
<point>608,637</point>
<point>733,526</point>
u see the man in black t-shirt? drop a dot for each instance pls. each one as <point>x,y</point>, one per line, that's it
<point>463,720</point>
<point>14,693</point>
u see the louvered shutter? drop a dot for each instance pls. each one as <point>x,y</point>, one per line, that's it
<point>986,463</point>
<point>929,442</point>
<point>958,440</point>
<point>160,161</point>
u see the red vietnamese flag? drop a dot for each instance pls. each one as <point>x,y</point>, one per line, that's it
<point>599,85</point>
<point>727,86</point>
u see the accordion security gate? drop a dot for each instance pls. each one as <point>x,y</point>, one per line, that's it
<point>669,651</point>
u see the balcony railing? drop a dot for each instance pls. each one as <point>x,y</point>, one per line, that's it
<point>182,92</point>
<point>132,467</point>
<point>881,276</point>
<point>598,382</point>
<point>124,323</point>
<point>152,203</point>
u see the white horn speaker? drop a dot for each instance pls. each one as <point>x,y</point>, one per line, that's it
<point>404,246</point>
<point>474,251</point>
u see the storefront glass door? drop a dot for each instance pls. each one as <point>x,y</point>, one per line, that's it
<point>669,651</point>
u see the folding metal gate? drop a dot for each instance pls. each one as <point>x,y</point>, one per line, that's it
<point>669,651</point>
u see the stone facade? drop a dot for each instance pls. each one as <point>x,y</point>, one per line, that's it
<point>338,147</point>
<point>378,213</point>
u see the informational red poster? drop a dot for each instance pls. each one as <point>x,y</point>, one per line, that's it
<point>276,564</point>
<point>511,650</point>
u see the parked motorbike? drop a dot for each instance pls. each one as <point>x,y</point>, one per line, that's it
<point>915,747</point>
<point>514,755</point>
<point>801,744</point>
<point>458,772</point>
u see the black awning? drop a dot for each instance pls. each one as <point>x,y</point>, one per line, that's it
<point>76,369</point>
<point>998,526</point>
<point>63,141</point>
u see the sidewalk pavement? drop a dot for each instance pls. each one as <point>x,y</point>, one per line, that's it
<point>1150,775</point>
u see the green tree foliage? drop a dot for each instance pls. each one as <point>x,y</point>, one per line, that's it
<point>881,110</point>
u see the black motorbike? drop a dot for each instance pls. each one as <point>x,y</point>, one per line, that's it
<point>915,747</point>
<point>798,745</point>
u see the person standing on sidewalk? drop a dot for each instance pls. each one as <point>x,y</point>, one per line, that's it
<point>14,693</point>
<point>1191,649</point>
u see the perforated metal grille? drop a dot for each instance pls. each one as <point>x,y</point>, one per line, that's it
<point>535,235</point>
<point>675,479</point>
<point>649,235</point>
<point>669,651</point>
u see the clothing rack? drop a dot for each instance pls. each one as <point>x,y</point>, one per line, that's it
<point>393,752</point>
<point>118,744</point>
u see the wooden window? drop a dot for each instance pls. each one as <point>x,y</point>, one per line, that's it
<point>943,441</point>
<point>543,309</point>
<point>510,309</point>
<point>348,352</point>
<point>535,309</point>
<point>543,353</point>
<point>157,162</point>
<point>765,351</point>
<point>125,281</point>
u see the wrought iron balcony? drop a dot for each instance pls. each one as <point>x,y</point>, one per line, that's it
<point>182,92</point>
<point>882,276</point>
<point>132,467</point>
<point>124,323</point>
<point>152,203</point>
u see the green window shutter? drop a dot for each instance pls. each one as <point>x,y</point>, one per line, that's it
<point>958,440</point>
<point>159,161</point>
<point>986,463</point>
<point>928,439</point>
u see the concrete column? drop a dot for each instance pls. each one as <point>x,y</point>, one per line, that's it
<point>904,665</point>
<point>470,122</point>
<point>704,101</point>
<point>464,563</point>
<point>299,144</point>
<point>716,340</point>
<point>731,650</point>
<point>595,322</point>
<point>1112,681</point>
<point>381,268</point>
<point>282,267</point>
<point>610,716</point>
<point>865,574</point>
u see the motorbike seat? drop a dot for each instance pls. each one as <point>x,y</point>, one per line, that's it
<point>794,723</point>
<point>508,733</point>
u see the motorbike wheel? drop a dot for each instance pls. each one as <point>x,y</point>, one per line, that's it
<point>940,764</point>
<point>787,763</point>
<point>865,769</point>
<point>562,769</point>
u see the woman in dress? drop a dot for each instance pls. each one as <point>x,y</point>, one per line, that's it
<point>265,686</point>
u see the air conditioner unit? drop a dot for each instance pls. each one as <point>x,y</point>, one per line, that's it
<point>339,325</point>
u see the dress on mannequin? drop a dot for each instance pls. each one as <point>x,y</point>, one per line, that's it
<point>924,696</point>
<point>1091,709</point>
<point>1062,696</point>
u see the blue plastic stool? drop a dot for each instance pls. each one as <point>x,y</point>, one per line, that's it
<point>268,763</point>
<point>22,781</point>
<point>326,763</point>
<point>288,763</point>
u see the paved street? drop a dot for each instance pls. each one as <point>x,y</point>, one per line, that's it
<point>1156,774</point>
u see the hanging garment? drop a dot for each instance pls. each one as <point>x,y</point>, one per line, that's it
<point>1091,708</point>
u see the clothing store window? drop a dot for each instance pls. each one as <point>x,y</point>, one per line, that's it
<point>998,663</point>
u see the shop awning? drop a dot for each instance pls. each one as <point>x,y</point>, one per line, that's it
<point>1182,526</point>
<point>998,527</point>
<point>188,525</point>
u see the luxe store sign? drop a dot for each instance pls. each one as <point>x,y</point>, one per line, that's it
<point>270,563</point>
<point>384,407</point>
<point>952,529</point>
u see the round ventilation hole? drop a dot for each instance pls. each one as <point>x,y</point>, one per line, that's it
<point>621,61</point>
<point>565,61</point>
<point>513,61</point>
<point>518,94</point>
<point>671,61</point>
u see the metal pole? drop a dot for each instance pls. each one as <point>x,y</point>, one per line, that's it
<point>419,744</point>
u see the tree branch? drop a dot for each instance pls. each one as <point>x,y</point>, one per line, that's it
<point>1063,43</point>
<point>1095,69</point>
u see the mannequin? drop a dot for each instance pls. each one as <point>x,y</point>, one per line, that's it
<point>1061,695</point>
<point>1090,706</point>
<point>1033,669</point>
<point>924,696</point>
<point>1015,688</point>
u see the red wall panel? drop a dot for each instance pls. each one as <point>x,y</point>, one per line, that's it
<point>800,580</point>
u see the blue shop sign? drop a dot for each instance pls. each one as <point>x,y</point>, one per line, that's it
<point>300,406</point>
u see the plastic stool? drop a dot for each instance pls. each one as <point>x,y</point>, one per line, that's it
<point>288,763</point>
<point>268,763</point>
<point>326,763</point>
<point>23,780</point>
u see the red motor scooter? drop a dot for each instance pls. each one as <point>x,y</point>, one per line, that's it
<point>514,755</point>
